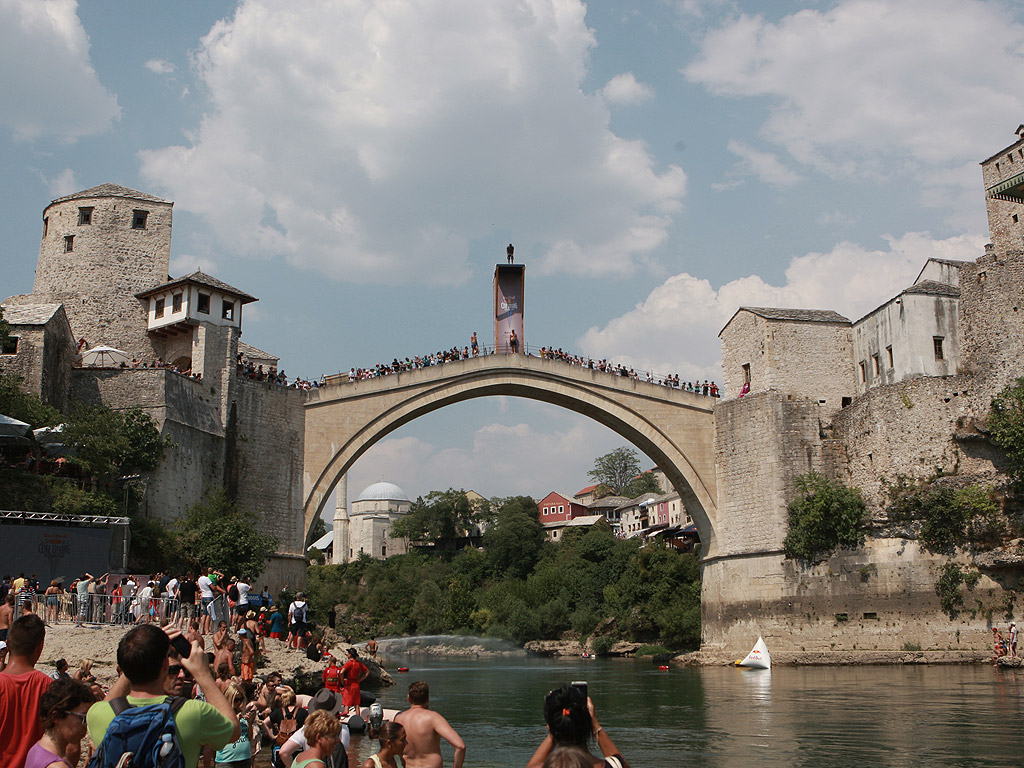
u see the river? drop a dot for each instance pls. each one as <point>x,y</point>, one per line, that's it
<point>713,716</point>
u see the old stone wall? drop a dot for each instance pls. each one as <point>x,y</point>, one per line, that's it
<point>878,597</point>
<point>109,262</point>
<point>763,441</point>
<point>268,426</point>
<point>992,318</point>
<point>1005,223</point>
<point>909,429</point>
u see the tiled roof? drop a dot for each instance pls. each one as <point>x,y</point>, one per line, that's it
<point>250,351</point>
<point>804,315</point>
<point>201,278</point>
<point>112,190</point>
<point>608,502</point>
<point>933,288</point>
<point>588,489</point>
<point>30,314</point>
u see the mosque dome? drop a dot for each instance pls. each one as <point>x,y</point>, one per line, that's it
<point>382,491</point>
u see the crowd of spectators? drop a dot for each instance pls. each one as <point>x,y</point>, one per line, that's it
<point>271,375</point>
<point>708,388</point>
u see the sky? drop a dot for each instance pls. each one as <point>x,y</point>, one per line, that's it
<point>360,167</point>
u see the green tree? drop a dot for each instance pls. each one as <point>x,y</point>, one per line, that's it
<point>1006,425</point>
<point>616,470</point>
<point>441,519</point>
<point>319,528</point>
<point>645,482</point>
<point>24,406</point>
<point>824,516</point>
<point>111,443</point>
<point>217,533</point>
<point>514,542</point>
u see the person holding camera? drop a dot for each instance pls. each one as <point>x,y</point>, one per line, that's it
<point>572,720</point>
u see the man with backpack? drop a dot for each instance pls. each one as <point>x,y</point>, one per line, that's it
<point>297,614</point>
<point>146,722</point>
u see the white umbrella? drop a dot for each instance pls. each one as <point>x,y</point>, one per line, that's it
<point>104,357</point>
<point>13,432</point>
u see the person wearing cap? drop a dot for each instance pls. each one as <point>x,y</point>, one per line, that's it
<point>1012,640</point>
<point>323,700</point>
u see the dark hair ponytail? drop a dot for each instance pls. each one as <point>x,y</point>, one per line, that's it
<point>565,712</point>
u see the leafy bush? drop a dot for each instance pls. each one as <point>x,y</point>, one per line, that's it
<point>1006,425</point>
<point>602,645</point>
<point>825,516</point>
<point>947,587</point>
<point>949,518</point>
<point>651,650</point>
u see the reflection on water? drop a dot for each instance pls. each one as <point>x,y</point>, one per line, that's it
<point>722,716</point>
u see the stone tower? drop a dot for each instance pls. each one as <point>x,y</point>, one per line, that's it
<point>99,248</point>
<point>341,522</point>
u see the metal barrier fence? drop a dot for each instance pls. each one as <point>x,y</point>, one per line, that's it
<point>116,609</point>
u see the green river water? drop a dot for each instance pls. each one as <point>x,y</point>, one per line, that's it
<point>917,716</point>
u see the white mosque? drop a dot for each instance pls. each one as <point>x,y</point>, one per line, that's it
<point>367,526</point>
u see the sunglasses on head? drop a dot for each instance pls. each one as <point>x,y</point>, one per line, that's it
<point>80,715</point>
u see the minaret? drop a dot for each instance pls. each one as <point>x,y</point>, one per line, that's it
<point>341,522</point>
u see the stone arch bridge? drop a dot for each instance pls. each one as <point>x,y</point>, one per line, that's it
<point>674,428</point>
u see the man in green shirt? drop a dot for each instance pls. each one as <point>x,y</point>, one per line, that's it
<point>142,658</point>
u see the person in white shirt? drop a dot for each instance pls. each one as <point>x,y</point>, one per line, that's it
<point>205,597</point>
<point>242,606</point>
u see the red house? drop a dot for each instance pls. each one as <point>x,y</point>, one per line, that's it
<point>559,508</point>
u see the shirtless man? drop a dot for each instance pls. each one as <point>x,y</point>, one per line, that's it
<point>225,654</point>
<point>424,730</point>
<point>220,637</point>
<point>6,615</point>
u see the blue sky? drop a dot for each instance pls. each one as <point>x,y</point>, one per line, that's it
<point>360,167</point>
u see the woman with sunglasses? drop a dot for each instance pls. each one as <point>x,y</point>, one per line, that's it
<point>62,709</point>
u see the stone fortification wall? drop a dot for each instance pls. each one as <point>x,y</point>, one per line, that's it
<point>109,262</point>
<point>992,318</point>
<point>259,448</point>
<point>186,411</point>
<point>763,441</point>
<point>909,429</point>
<point>879,597</point>
<point>267,437</point>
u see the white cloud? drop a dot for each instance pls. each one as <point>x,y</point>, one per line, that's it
<point>64,183</point>
<point>764,165</point>
<point>48,86</point>
<point>187,263</point>
<point>624,90</point>
<point>675,329</point>
<point>871,88</point>
<point>515,459</point>
<point>364,139</point>
<point>160,66</point>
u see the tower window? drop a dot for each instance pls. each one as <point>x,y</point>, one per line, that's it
<point>46,225</point>
<point>203,304</point>
<point>84,216</point>
<point>863,371</point>
<point>876,368</point>
<point>139,219</point>
<point>176,303</point>
<point>888,354</point>
<point>746,373</point>
<point>937,344</point>
<point>158,310</point>
<point>228,310</point>
<point>1015,219</point>
<point>69,243</point>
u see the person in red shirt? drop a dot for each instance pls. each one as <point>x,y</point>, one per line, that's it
<point>354,673</point>
<point>333,675</point>
<point>21,687</point>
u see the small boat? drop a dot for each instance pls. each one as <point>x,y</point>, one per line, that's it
<point>758,658</point>
<point>663,667</point>
<point>403,669</point>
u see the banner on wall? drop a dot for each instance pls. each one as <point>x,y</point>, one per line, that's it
<point>53,552</point>
<point>509,296</point>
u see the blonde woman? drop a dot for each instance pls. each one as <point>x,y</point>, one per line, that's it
<point>239,753</point>
<point>321,731</point>
<point>392,745</point>
<point>84,672</point>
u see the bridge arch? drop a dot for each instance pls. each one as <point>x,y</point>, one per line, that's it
<point>673,428</point>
